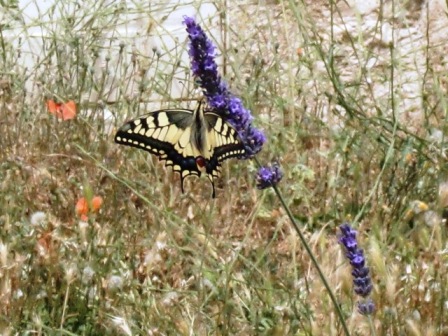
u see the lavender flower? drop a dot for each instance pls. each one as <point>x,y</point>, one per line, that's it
<point>360,272</point>
<point>366,307</point>
<point>230,107</point>
<point>269,176</point>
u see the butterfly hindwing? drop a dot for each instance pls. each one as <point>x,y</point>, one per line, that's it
<point>192,142</point>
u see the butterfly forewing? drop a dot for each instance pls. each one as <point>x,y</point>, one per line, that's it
<point>164,133</point>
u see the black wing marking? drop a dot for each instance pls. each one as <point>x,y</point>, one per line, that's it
<point>166,134</point>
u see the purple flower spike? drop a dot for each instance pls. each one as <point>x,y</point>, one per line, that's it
<point>366,307</point>
<point>254,141</point>
<point>268,176</point>
<point>362,281</point>
<point>203,65</point>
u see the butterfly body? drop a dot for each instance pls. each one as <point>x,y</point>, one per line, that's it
<point>191,141</point>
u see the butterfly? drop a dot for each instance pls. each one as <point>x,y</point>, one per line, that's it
<point>192,142</point>
<point>64,111</point>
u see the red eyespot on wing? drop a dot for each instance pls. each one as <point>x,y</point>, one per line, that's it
<point>200,161</point>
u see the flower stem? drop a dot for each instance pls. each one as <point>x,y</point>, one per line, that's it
<point>313,259</point>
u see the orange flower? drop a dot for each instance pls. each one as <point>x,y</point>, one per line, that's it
<point>64,111</point>
<point>97,201</point>
<point>82,206</point>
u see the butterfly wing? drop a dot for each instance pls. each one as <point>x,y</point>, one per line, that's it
<point>166,134</point>
<point>223,142</point>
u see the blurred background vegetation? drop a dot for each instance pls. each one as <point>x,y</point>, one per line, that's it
<point>353,100</point>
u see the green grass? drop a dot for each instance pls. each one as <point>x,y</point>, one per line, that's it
<point>358,141</point>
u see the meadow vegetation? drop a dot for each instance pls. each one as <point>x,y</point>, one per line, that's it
<point>98,239</point>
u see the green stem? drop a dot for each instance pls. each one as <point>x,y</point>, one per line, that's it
<point>313,259</point>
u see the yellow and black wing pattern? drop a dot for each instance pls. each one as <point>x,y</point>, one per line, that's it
<point>190,141</point>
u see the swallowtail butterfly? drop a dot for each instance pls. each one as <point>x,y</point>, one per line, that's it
<point>191,141</point>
